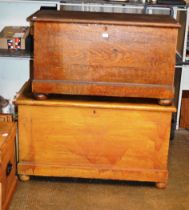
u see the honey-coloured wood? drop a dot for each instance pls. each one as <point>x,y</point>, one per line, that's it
<point>165,102</point>
<point>103,54</point>
<point>24,178</point>
<point>8,177</point>
<point>40,96</point>
<point>85,137</point>
<point>161,185</point>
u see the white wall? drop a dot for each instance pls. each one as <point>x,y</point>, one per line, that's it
<point>15,71</point>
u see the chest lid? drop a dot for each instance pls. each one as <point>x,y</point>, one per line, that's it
<point>104,18</point>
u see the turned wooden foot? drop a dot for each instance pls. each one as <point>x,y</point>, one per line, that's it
<point>24,178</point>
<point>161,185</point>
<point>165,102</point>
<point>40,96</point>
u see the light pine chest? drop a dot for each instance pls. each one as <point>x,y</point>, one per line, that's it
<point>93,138</point>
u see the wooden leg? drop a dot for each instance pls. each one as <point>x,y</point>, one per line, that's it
<point>165,102</point>
<point>161,185</point>
<point>24,178</point>
<point>40,96</point>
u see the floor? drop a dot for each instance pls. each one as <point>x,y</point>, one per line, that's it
<point>79,194</point>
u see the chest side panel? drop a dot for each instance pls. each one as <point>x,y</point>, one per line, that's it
<point>104,53</point>
<point>93,138</point>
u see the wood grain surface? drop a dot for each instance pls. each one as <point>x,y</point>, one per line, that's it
<point>93,139</point>
<point>92,58</point>
<point>103,18</point>
<point>7,147</point>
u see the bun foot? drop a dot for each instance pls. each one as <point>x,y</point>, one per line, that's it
<point>40,96</point>
<point>165,102</point>
<point>24,178</point>
<point>161,185</point>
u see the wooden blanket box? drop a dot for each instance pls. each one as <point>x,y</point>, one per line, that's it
<point>104,54</point>
<point>92,137</point>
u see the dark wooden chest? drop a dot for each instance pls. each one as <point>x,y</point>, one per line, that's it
<point>84,53</point>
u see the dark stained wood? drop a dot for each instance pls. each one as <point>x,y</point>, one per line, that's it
<point>104,18</point>
<point>123,55</point>
<point>184,115</point>
<point>99,89</point>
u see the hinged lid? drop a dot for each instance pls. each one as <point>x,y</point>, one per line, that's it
<point>104,18</point>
